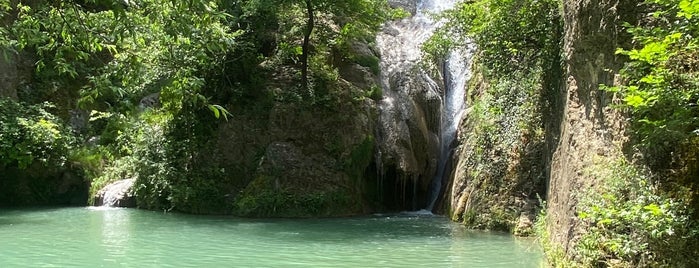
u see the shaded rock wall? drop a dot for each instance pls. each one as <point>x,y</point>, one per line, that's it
<point>502,168</point>
<point>591,130</point>
<point>500,163</point>
<point>42,185</point>
<point>15,72</point>
<point>289,158</point>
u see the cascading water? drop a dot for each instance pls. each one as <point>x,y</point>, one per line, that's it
<point>416,113</point>
<point>456,73</point>
<point>116,194</point>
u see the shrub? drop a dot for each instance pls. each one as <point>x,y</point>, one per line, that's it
<point>661,79</point>
<point>631,223</point>
<point>29,133</point>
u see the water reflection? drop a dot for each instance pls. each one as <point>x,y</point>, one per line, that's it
<point>135,238</point>
<point>115,234</point>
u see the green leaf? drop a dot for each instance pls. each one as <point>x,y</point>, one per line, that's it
<point>218,110</point>
<point>654,209</point>
<point>215,110</point>
<point>688,8</point>
<point>634,101</point>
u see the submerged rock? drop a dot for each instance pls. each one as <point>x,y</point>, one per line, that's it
<point>117,194</point>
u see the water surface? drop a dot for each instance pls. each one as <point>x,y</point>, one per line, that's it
<point>94,237</point>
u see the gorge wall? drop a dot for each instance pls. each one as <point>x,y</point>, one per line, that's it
<point>531,136</point>
<point>591,131</point>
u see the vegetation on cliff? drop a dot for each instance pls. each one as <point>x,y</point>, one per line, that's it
<point>146,89</point>
<point>636,211</point>
<point>517,69</point>
<point>648,213</point>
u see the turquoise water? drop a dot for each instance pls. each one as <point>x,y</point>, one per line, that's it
<point>95,237</point>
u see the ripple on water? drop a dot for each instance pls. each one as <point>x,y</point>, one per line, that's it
<point>78,237</point>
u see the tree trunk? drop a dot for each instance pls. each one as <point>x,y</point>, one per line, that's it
<point>306,44</point>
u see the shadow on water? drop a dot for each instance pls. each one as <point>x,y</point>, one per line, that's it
<point>414,224</point>
<point>14,215</point>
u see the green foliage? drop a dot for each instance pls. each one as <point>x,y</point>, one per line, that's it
<point>398,13</point>
<point>93,160</point>
<point>509,34</point>
<point>516,71</point>
<point>335,26</point>
<point>360,157</point>
<point>114,54</point>
<point>661,80</point>
<point>375,93</point>
<point>29,133</point>
<point>659,89</point>
<point>631,223</point>
<point>555,255</point>
<point>262,199</point>
<point>175,167</point>
<point>102,57</point>
<point>369,61</point>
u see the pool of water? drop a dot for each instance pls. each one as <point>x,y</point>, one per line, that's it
<point>97,237</point>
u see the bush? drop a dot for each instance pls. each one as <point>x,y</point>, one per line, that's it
<point>369,61</point>
<point>661,79</point>
<point>631,223</point>
<point>29,133</point>
<point>510,35</point>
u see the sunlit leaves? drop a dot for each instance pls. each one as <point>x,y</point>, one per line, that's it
<point>654,51</point>
<point>662,81</point>
<point>629,220</point>
<point>509,34</point>
<point>690,8</point>
<point>119,51</point>
<point>29,133</point>
<point>218,110</point>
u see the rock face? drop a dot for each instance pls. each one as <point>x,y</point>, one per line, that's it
<point>408,5</point>
<point>58,186</point>
<point>409,134</point>
<point>287,159</point>
<point>502,168</point>
<point>500,162</point>
<point>590,128</point>
<point>15,72</point>
<point>117,194</point>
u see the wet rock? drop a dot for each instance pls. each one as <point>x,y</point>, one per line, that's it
<point>525,224</point>
<point>117,194</point>
<point>150,101</point>
<point>409,118</point>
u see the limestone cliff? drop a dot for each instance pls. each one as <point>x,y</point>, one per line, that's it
<point>551,128</point>
<point>591,130</point>
<point>290,158</point>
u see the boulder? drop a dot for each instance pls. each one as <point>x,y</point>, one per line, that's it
<point>117,194</point>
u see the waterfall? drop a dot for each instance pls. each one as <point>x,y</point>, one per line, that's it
<point>117,194</point>
<point>456,73</point>
<point>413,103</point>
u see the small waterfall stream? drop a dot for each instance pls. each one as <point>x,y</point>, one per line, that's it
<point>117,194</point>
<point>456,73</point>
<point>414,100</point>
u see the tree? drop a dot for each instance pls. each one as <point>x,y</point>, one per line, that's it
<point>310,23</point>
<point>355,18</point>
